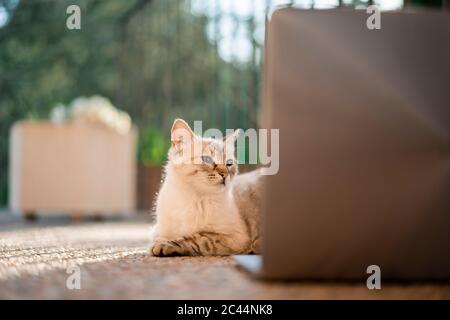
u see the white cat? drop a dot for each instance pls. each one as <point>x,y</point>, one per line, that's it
<point>204,207</point>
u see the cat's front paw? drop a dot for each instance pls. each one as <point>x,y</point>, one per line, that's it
<point>165,249</point>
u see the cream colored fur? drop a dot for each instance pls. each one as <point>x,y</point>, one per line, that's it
<point>197,205</point>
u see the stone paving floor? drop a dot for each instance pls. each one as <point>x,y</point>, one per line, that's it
<point>114,264</point>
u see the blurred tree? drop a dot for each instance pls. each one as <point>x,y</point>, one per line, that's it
<point>151,58</point>
<point>43,63</point>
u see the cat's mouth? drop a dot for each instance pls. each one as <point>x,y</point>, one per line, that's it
<point>218,180</point>
<point>225,181</point>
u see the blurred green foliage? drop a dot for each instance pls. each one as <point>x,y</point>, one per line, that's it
<point>429,3</point>
<point>153,59</point>
<point>152,146</point>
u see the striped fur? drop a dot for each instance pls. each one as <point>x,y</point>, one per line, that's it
<point>199,244</point>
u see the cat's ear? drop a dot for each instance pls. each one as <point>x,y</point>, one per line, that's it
<point>232,137</point>
<point>180,132</point>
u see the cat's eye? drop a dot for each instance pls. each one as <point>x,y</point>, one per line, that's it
<point>207,159</point>
<point>229,162</point>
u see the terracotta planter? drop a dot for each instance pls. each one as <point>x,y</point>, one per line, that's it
<point>149,181</point>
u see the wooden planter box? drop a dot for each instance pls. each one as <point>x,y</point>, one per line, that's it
<point>76,168</point>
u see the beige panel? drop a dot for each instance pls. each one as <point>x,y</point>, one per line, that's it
<point>71,167</point>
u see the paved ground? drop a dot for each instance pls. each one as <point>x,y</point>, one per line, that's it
<point>114,264</point>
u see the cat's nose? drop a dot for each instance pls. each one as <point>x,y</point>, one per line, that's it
<point>223,174</point>
<point>222,170</point>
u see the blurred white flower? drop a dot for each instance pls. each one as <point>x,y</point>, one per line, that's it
<point>123,123</point>
<point>58,114</point>
<point>95,109</point>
